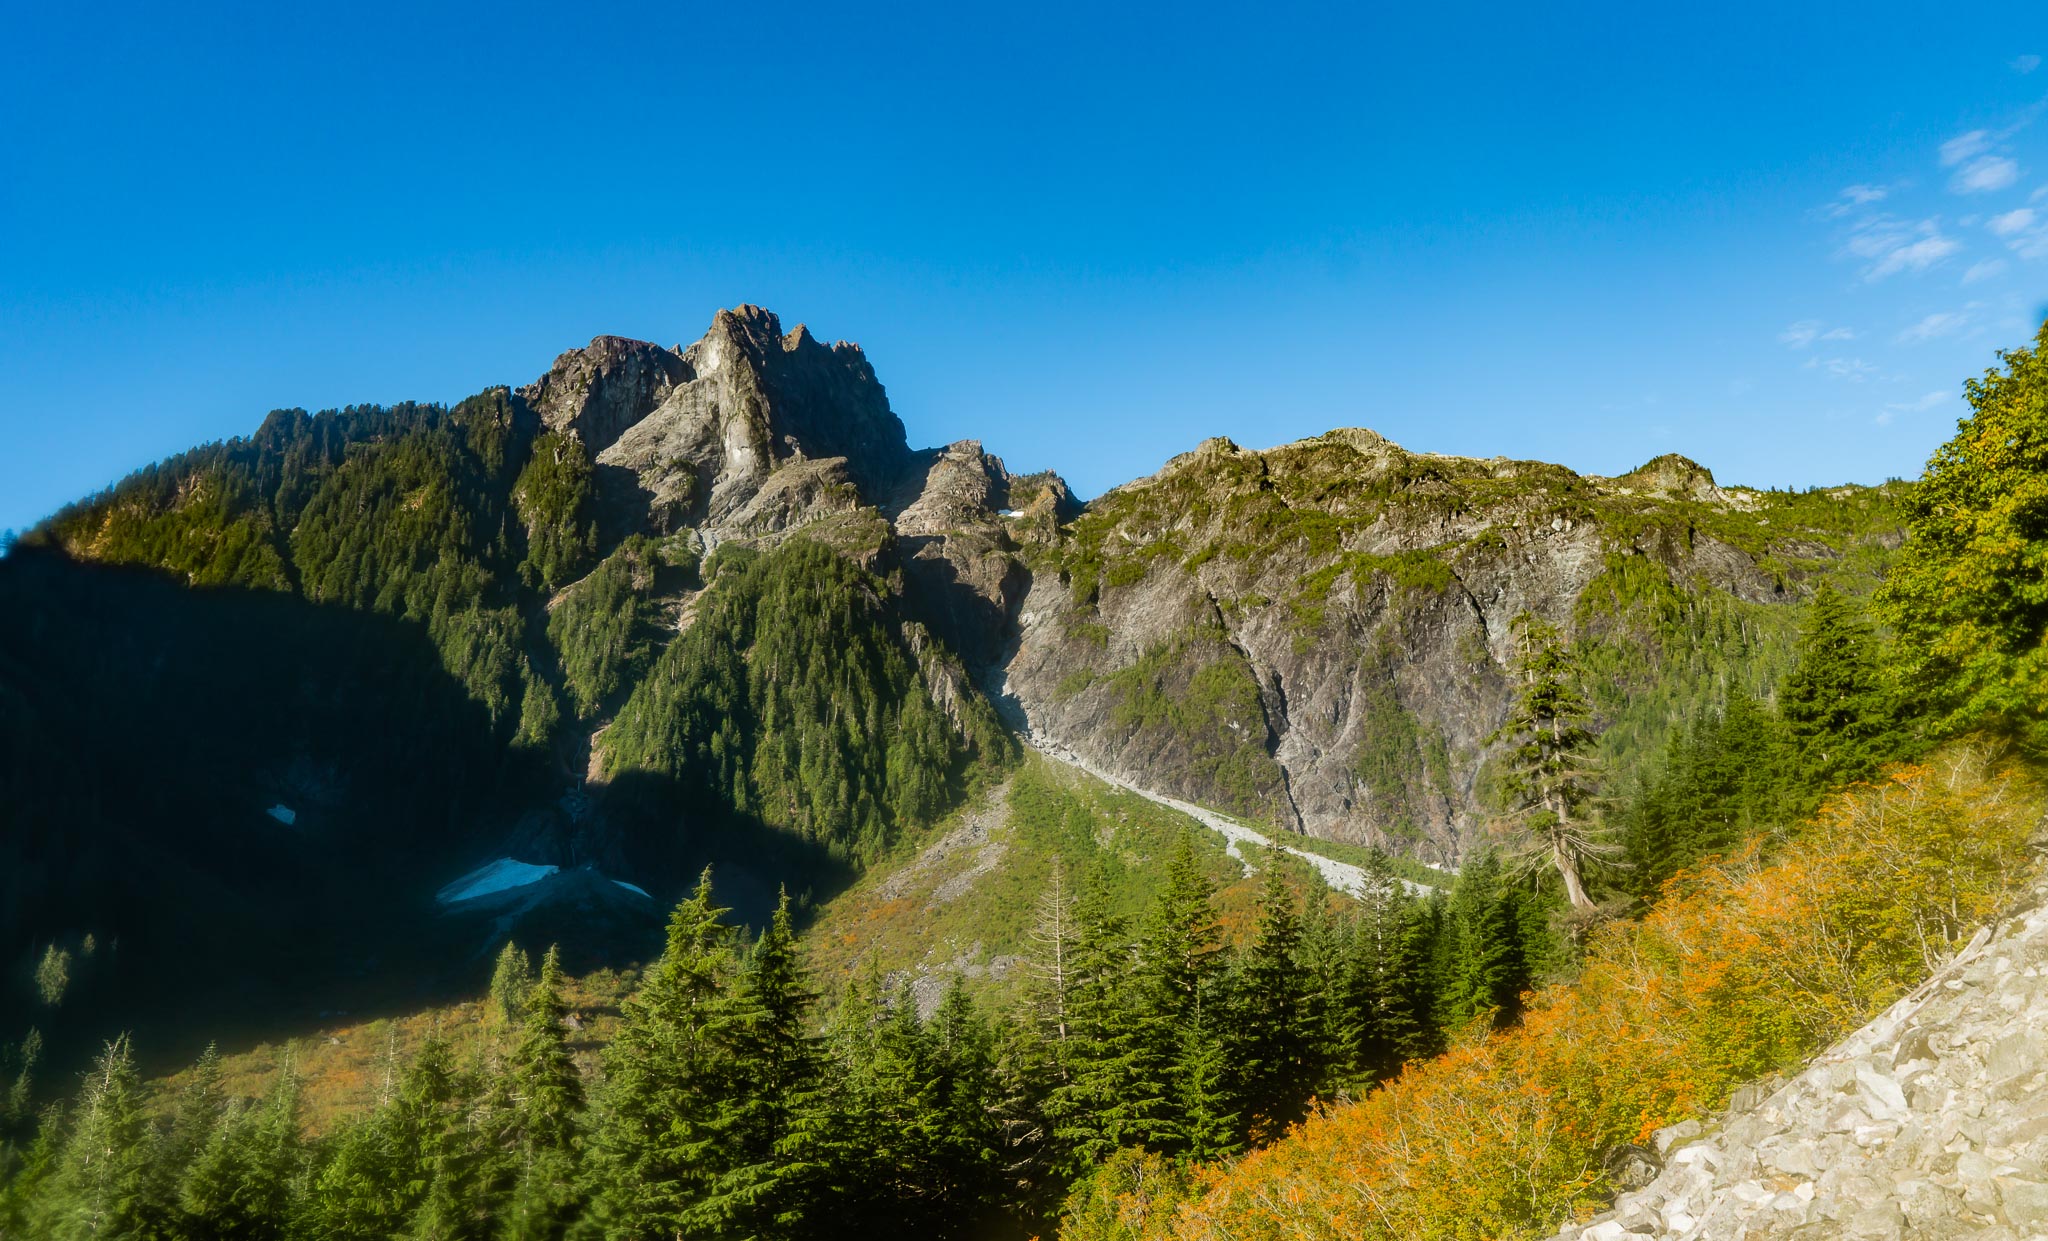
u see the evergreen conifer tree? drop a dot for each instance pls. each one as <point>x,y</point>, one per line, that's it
<point>1275,1046</point>
<point>101,1184</point>
<point>242,1185</point>
<point>22,1194</point>
<point>511,980</point>
<point>1112,1096</point>
<point>1205,1118</point>
<point>547,1098</point>
<point>1411,983</point>
<point>197,1116</point>
<point>15,1104</point>
<point>767,1066</point>
<point>1843,724</point>
<point>1489,963</point>
<point>1547,777</point>
<point>657,1137</point>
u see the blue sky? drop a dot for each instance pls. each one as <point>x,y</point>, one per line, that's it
<point>1775,238</point>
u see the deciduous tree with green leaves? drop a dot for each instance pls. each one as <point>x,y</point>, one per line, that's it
<point>1967,599</point>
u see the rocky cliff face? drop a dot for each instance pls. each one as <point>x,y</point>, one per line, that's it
<point>1932,1121</point>
<point>1314,636</point>
<point>1318,634</point>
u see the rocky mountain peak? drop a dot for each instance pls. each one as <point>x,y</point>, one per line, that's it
<point>596,392</point>
<point>691,435</point>
<point>1680,478</point>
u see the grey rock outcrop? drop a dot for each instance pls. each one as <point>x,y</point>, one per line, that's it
<point>1930,1122</point>
<point>596,392</point>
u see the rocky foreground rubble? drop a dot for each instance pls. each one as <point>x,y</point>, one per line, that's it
<point>1931,1121</point>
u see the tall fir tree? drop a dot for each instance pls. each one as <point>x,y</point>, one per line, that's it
<point>1842,721</point>
<point>657,1135</point>
<point>1177,958</point>
<point>1722,779</point>
<point>768,1064</point>
<point>1206,1118</point>
<point>511,979</point>
<point>452,1170</point>
<point>1270,1033</point>
<point>243,1183</point>
<point>1114,1094</point>
<point>1488,963</point>
<point>547,1100</point>
<point>1380,1014</point>
<point>1546,769</point>
<point>1412,982</point>
<point>101,1184</point>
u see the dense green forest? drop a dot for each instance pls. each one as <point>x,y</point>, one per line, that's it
<point>796,697</point>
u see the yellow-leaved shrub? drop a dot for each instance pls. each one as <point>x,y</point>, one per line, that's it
<point>1746,966</point>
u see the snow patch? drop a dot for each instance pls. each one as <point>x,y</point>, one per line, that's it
<point>632,888</point>
<point>283,814</point>
<point>1009,512</point>
<point>499,876</point>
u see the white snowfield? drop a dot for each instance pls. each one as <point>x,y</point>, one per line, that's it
<point>510,874</point>
<point>499,876</point>
<point>1342,876</point>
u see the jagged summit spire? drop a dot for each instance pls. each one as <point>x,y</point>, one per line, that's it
<point>699,428</point>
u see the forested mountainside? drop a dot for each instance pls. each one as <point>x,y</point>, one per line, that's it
<point>274,706</point>
<point>678,605</point>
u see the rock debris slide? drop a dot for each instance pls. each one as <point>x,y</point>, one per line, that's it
<point>1930,1122</point>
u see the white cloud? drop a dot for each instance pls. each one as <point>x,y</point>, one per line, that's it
<point>2026,64</point>
<point>2025,230</point>
<point>1855,370</point>
<point>1934,326</point>
<point>1920,405</point>
<point>1806,331</point>
<point>2018,220</point>
<point>1894,246</point>
<point>1853,198</point>
<point>1964,146</point>
<point>1877,235</point>
<point>1984,270</point>
<point>1989,172</point>
<point>1913,256</point>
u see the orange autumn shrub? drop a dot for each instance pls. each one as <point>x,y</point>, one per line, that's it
<point>1747,966</point>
